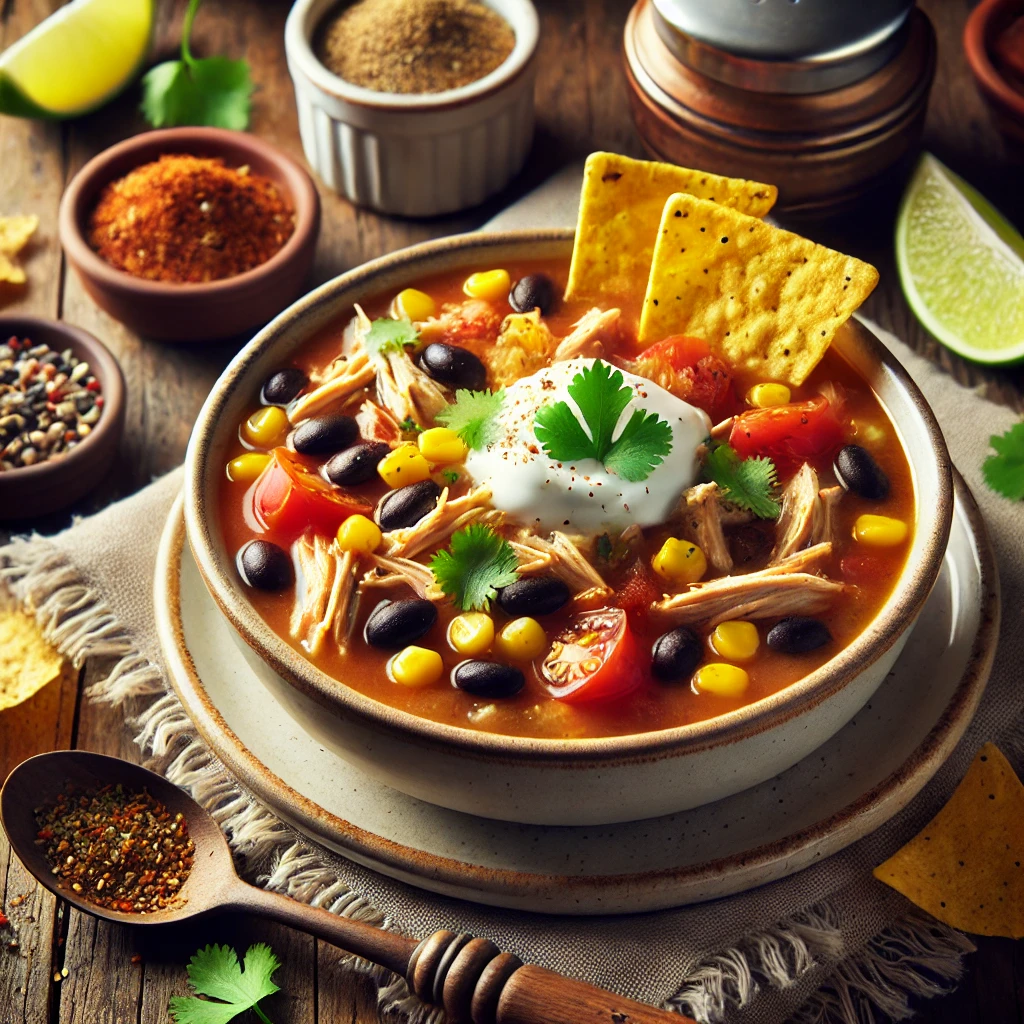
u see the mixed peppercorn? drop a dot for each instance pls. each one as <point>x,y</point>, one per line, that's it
<point>117,849</point>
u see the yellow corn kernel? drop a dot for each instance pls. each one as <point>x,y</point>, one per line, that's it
<point>521,640</point>
<point>359,534</point>
<point>679,561</point>
<point>492,285</point>
<point>766,396</point>
<point>442,446</point>
<point>404,465</point>
<point>414,304</point>
<point>879,531</point>
<point>415,666</point>
<point>266,427</point>
<point>720,679</point>
<point>247,467</point>
<point>471,633</point>
<point>736,640</point>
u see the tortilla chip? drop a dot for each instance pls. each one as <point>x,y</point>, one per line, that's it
<point>620,210</point>
<point>767,301</point>
<point>964,868</point>
<point>27,661</point>
<point>14,235</point>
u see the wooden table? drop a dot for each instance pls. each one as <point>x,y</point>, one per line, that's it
<point>115,974</point>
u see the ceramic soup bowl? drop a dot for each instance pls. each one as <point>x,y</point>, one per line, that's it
<point>558,782</point>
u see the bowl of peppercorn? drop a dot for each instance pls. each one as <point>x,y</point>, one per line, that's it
<point>191,234</point>
<point>61,415</point>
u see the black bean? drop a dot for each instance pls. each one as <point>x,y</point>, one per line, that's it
<point>535,595</point>
<point>265,566</point>
<point>488,679</point>
<point>453,366</point>
<point>857,471</point>
<point>356,465</point>
<point>407,505</point>
<point>676,654</point>
<point>535,291</point>
<point>396,624</point>
<point>323,435</point>
<point>281,387</point>
<point>798,634</point>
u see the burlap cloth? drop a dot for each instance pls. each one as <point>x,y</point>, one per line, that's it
<point>829,943</point>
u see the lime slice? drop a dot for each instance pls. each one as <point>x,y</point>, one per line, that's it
<point>77,59</point>
<point>961,264</point>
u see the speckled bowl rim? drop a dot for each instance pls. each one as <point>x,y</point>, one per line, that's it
<point>887,798</point>
<point>976,49</point>
<point>934,521</point>
<point>111,378</point>
<point>85,185</point>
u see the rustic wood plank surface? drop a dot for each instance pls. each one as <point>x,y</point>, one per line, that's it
<point>119,975</point>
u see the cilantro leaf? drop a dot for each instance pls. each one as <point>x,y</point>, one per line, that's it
<point>214,91</point>
<point>747,483</point>
<point>601,396</point>
<point>387,335</point>
<point>472,416</point>
<point>214,971</point>
<point>1004,471</point>
<point>477,564</point>
<point>450,475</point>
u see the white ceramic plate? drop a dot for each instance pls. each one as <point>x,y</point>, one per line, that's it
<point>845,789</point>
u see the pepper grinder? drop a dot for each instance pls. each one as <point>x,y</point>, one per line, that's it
<point>826,100</point>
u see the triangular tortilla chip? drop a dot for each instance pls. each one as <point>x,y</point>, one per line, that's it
<point>767,301</point>
<point>965,867</point>
<point>27,661</point>
<point>14,234</point>
<point>620,210</point>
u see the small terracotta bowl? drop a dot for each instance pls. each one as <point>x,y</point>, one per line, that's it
<point>193,312</point>
<point>983,27</point>
<point>47,486</point>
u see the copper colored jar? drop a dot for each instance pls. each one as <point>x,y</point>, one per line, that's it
<point>823,149</point>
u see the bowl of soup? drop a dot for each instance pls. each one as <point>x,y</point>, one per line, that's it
<point>531,568</point>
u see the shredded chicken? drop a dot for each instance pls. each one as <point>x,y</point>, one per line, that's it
<point>721,431</point>
<point>799,502</point>
<point>441,522</point>
<point>523,347</point>
<point>563,558</point>
<point>703,514</point>
<point>402,572</point>
<point>589,333</point>
<point>823,525</point>
<point>345,377</point>
<point>327,589</point>
<point>377,424</point>
<point>474,318</point>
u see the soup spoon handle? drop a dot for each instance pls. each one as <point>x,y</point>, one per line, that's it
<point>471,978</point>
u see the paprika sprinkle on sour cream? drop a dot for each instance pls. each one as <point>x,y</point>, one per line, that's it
<point>189,220</point>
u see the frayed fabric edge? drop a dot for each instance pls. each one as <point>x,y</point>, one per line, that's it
<point>915,956</point>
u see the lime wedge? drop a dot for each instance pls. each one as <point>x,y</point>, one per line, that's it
<point>961,264</point>
<point>77,59</point>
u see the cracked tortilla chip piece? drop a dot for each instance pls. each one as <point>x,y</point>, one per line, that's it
<point>620,210</point>
<point>965,866</point>
<point>14,235</point>
<point>767,301</point>
<point>27,661</point>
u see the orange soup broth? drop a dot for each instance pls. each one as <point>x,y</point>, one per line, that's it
<point>655,705</point>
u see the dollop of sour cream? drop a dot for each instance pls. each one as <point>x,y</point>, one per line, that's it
<point>583,497</point>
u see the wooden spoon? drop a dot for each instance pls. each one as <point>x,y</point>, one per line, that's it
<point>471,978</point>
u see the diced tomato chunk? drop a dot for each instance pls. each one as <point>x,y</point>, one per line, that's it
<point>678,351</point>
<point>686,367</point>
<point>790,434</point>
<point>289,498</point>
<point>639,591</point>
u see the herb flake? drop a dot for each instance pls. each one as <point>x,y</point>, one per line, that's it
<point>387,335</point>
<point>476,566</point>
<point>472,416</point>
<point>747,483</point>
<point>1004,471</point>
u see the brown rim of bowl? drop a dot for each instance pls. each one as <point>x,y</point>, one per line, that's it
<point>976,47</point>
<point>85,185</point>
<point>901,786</point>
<point>797,698</point>
<point>111,378</point>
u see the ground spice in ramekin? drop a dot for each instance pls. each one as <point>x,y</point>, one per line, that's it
<point>415,46</point>
<point>189,220</point>
<point>117,849</point>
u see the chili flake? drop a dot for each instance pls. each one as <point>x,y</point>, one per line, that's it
<point>117,849</point>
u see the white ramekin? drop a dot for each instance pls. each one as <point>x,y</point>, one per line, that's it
<point>422,154</point>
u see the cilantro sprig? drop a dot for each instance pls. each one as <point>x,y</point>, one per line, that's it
<point>601,396</point>
<point>472,416</point>
<point>215,972</point>
<point>214,91</point>
<point>747,483</point>
<point>476,566</point>
<point>1004,471</point>
<point>387,335</point>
